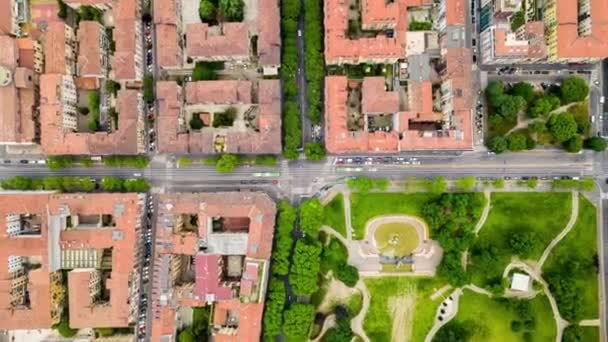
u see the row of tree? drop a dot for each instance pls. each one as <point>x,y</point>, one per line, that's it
<point>75,184</point>
<point>364,185</point>
<point>140,162</point>
<point>315,63</point>
<point>292,134</point>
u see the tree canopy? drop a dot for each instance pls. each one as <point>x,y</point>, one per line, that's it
<point>574,144</point>
<point>297,321</point>
<point>314,151</point>
<point>574,89</point>
<point>562,126</point>
<point>226,163</point>
<point>523,89</point>
<point>517,141</point>
<point>596,144</point>
<point>498,144</point>
<point>232,10</point>
<point>311,216</point>
<point>305,268</point>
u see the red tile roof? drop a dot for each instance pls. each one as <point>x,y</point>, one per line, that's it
<point>57,141</point>
<point>174,139</point>
<point>376,100</point>
<point>249,321</point>
<point>89,50</point>
<point>569,43</point>
<point>231,40</point>
<point>55,57</point>
<point>82,314</point>
<point>218,92</point>
<point>126,20</point>
<point>269,33</point>
<point>170,54</point>
<point>207,279</point>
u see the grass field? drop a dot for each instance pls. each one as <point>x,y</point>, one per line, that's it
<point>396,238</point>
<point>334,214</point>
<point>416,315</point>
<point>543,213</point>
<point>581,245</point>
<point>493,318</point>
<point>368,206</point>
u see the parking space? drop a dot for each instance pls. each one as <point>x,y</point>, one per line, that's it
<point>145,269</point>
<point>378,160</point>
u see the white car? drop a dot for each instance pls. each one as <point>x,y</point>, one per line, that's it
<point>137,174</point>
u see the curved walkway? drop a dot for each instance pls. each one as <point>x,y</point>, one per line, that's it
<point>484,214</point>
<point>562,234</point>
<point>328,323</point>
<point>438,324</point>
<point>356,324</point>
<point>560,323</point>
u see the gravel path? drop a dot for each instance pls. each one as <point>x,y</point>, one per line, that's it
<point>484,214</point>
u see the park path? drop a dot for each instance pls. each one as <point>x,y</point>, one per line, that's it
<point>589,323</point>
<point>560,323</point>
<point>438,324</point>
<point>484,214</point>
<point>347,217</point>
<point>356,324</point>
<point>523,121</point>
<point>328,323</point>
<point>561,235</point>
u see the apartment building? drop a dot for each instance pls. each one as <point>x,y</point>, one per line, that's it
<point>425,105</point>
<point>223,243</point>
<point>20,62</point>
<point>93,45</point>
<point>567,31</point>
<point>256,129</point>
<point>60,49</point>
<point>13,13</point>
<point>70,229</point>
<point>168,24</point>
<point>128,60</point>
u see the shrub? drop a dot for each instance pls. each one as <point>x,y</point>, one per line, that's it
<point>348,274</point>
<point>195,122</point>
<point>516,326</point>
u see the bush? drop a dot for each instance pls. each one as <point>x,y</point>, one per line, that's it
<point>314,151</point>
<point>225,118</point>
<point>596,144</point>
<point>517,142</point>
<point>206,71</point>
<point>347,274</point>
<point>195,122</point>
<point>574,144</point>
<point>206,11</point>
<point>63,328</point>
<point>498,144</point>
<point>105,332</point>
<point>149,88</point>
<point>232,10</point>
<point>226,163</point>
<point>83,110</point>
<point>516,326</point>
<point>420,26</point>
<point>112,87</point>
<point>63,9</point>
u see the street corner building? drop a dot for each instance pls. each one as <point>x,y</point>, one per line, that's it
<point>214,249</point>
<point>77,246</point>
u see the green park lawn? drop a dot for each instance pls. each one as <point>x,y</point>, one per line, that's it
<point>378,321</point>
<point>364,207</point>
<point>334,214</point>
<point>396,238</point>
<point>544,214</point>
<point>493,317</point>
<point>580,245</point>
